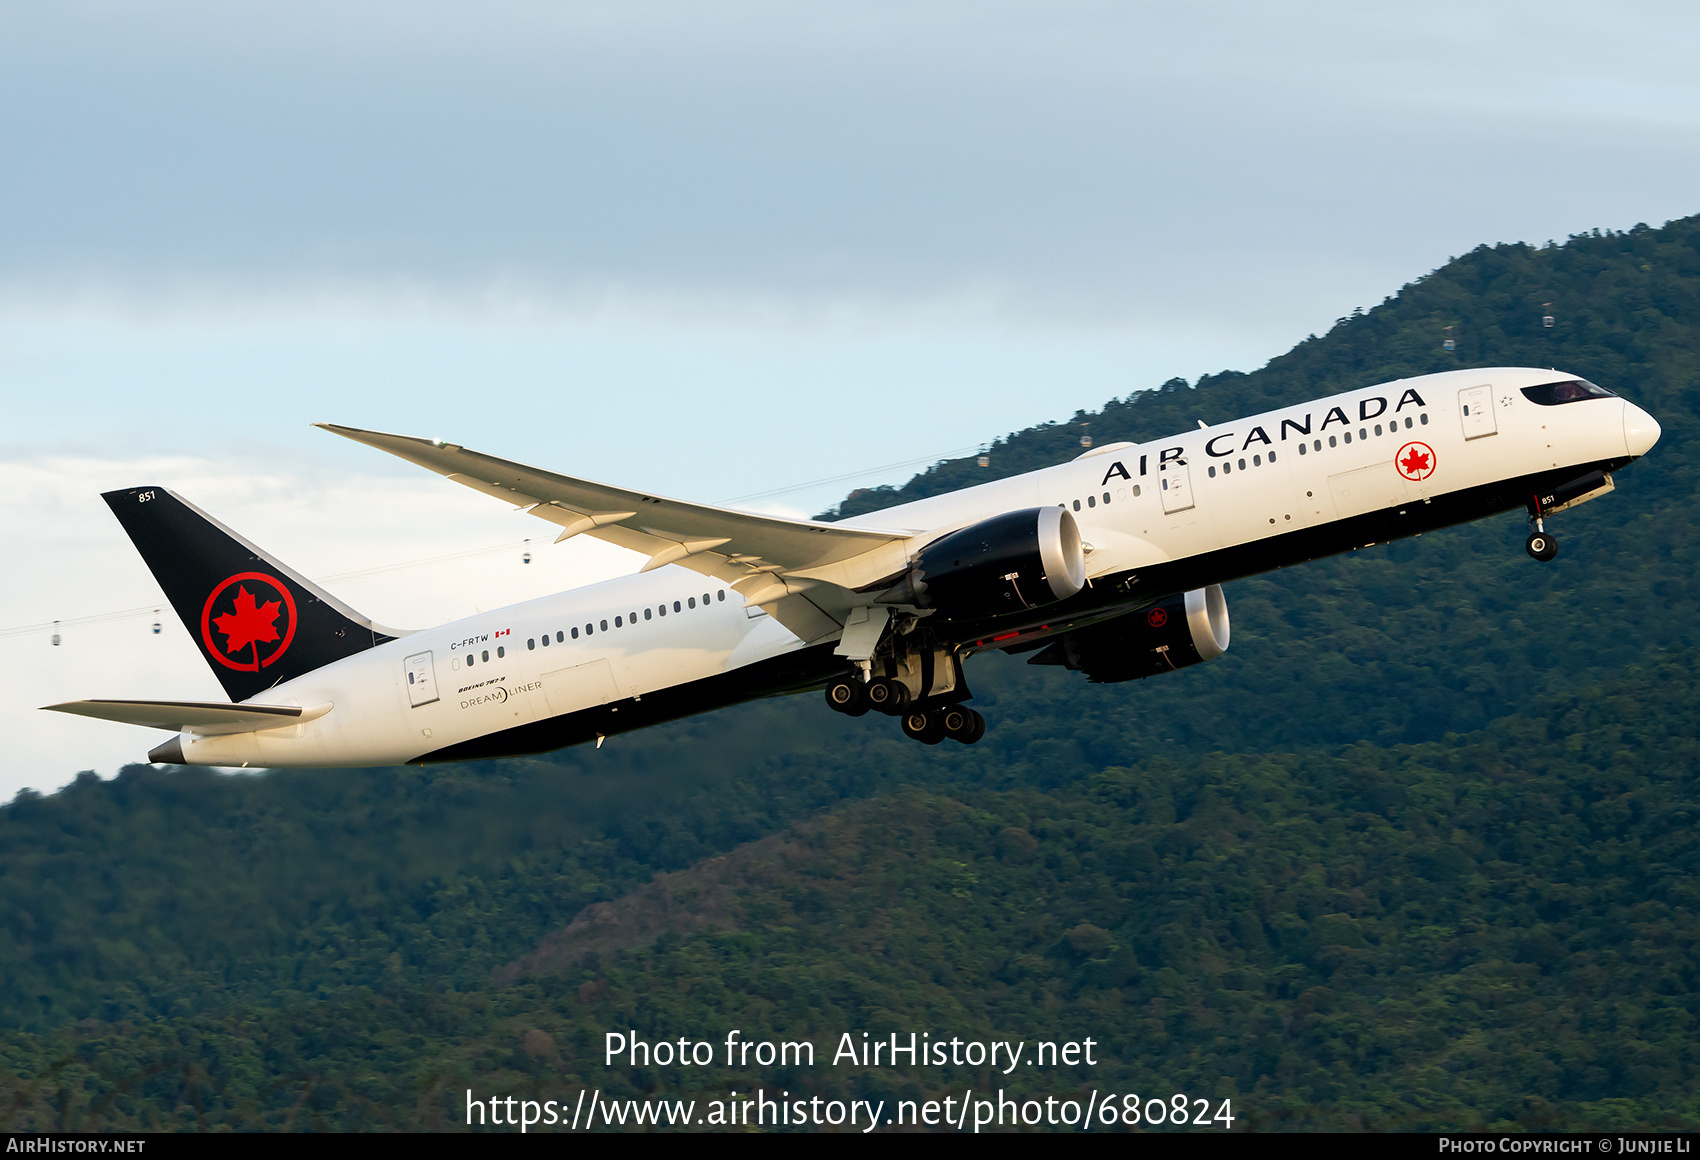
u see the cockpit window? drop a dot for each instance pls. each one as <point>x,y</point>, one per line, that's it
<point>1569,391</point>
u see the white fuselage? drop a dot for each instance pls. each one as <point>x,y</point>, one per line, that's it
<point>1138,506</point>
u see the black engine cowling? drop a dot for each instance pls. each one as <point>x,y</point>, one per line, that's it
<point>1187,628</point>
<point>1014,561</point>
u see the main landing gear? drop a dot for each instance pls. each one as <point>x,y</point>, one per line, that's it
<point>1539,544</point>
<point>957,722</point>
<point>928,725</point>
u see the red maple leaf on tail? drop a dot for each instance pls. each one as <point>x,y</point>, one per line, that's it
<point>1414,462</point>
<point>249,624</point>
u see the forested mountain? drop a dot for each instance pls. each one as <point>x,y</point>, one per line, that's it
<point>1420,851</point>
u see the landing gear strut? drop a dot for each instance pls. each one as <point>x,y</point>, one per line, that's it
<point>1540,545</point>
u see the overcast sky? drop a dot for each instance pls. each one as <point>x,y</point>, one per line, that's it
<point>712,249</point>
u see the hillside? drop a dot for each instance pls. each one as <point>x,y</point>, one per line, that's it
<point>1494,931</point>
<point>1418,852</point>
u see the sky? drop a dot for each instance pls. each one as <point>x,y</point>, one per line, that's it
<point>724,251</point>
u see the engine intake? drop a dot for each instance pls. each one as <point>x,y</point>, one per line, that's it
<point>1014,561</point>
<point>1187,628</point>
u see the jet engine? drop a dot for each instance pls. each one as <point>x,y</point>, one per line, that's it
<point>1014,561</point>
<point>1187,628</point>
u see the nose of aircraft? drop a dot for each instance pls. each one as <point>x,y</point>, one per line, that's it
<point>1640,430</point>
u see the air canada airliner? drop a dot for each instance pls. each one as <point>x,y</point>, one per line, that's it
<point>1110,565</point>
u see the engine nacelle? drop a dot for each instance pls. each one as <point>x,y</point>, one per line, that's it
<point>1187,628</point>
<point>1014,561</point>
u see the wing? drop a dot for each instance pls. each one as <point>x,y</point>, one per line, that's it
<point>206,718</point>
<point>769,561</point>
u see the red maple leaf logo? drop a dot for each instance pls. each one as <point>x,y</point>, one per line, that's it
<point>1414,462</point>
<point>249,624</point>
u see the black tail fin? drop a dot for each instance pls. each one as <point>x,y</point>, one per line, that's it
<point>257,621</point>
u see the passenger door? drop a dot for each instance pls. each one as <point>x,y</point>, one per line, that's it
<point>421,680</point>
<point>1475,410</point>
<point>1176,485</point>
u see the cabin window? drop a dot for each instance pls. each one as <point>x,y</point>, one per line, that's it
<point>662,609</point>
<point>1257,461</point>
<point>691,603</point>
<point>1106,497</point>
<point>604,625</point>
<point>469,660</point>
<point>1362,434</point>
<point>705,600</point>
<point>545,640</point>
<point>501,650</point>
<point>1318,446</point>
<point>531,643</point>
<point>721,596</point>
<point>676,606</point>
<point>648,613</point>
<point>1301,449</point>
<point>1136,489</point>
<point>1091,501</point>
<point>575,632</point>
<point>1423,418</point>
<point>559,639</point>
<point>619,622</point>
<point>1212,471</point>
<point>1242,465</point>
<point>1272,457</point>
<point>1076,505</point>
<point>1227,469</point>
<point>1407,422</point>
<point>1333,441</point>
<point>1348,436</point>
<point>485,655</point>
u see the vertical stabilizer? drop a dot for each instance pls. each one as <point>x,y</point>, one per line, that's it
<point>257,621</point>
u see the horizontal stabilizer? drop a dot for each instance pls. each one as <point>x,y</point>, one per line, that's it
<point>206,718</point>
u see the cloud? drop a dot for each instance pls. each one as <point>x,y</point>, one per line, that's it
<point>1082,162</point>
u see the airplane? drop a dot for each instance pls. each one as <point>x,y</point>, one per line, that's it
<point>1110,565</point>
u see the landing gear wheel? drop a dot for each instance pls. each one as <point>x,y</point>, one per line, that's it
<point>1541,546</point>
<point>927,728</point>
<point>848,696</point>
<point>888,696</point>
<point>979,729</point>
<point>962,724</point>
